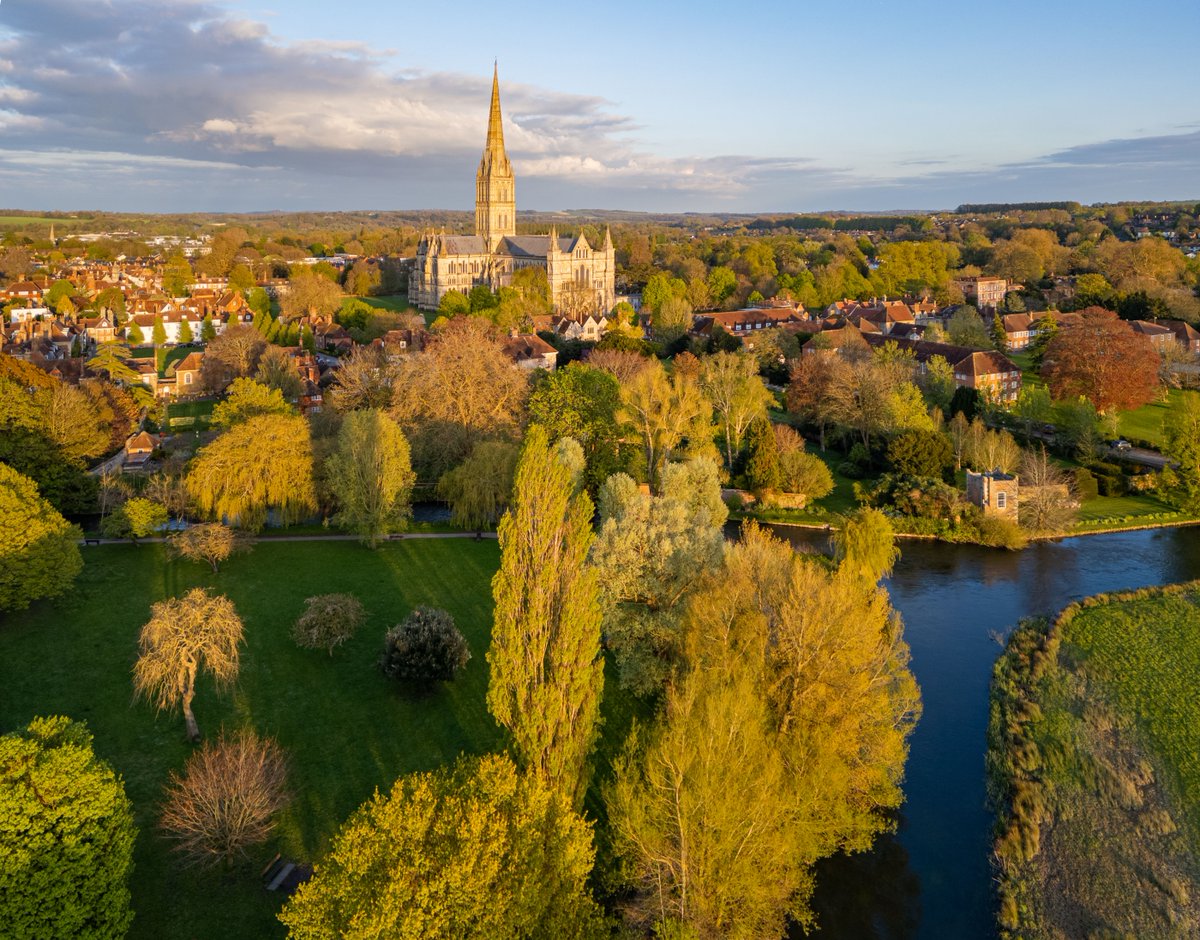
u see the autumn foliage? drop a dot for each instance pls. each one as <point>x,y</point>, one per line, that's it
<point>1100,357</point>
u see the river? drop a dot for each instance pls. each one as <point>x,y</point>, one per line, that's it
<point>932,879</point>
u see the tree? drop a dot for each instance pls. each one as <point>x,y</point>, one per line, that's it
<point>1181,431</point>
<point>921,453</point>
<point>177,276</point>
<point>738,396</point>
<point>208,330</point>
<point>134,334</point>
<point>819,390</point>
<point>233,354</point>
<point>328,621</point>
<point>261,465</point>
<point>581,402</point>
<point>135,519</point>
<point>672,320</point>
<point>763,471</point>
<point>865,545</point>
<point>662,411</point>
<point>223,802</point>
<point>248,399</point>
<point>800,473</point>
<point>277,370</point>
<point>241,278</point>
<point>990,450</point>
<point>158,335</point>
<point>998,336</point>
<point>66,835</point>
<point>1033,407</point>
<point>965,328</point>
<point>650,553</point>
<point>1045,505</point>
<point>73,421</point>
<point>782,741</point>
<point>39,550</point>
<point>425,648</point>
<point>1045,329</point>
<point>310,295</point>
<point>1100,357</point>
<point>209,542</point>
<point>479,488</point>
<point>185,331</point>
<point>463,389</point>
<point>454,304</point>
<point>476,849</point>
<point>183,635</point>
<point>371,474</point>
<point>546,669</point>
<point>364,380</point>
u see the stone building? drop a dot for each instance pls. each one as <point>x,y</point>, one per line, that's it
<point>581,276</point>
<point>994,492</point>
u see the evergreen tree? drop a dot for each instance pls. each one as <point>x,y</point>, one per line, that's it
<point>307,340</point>
<point>185,331</point>
<point>135,334</point>
<point>1047,329</point>
<point>66,835</point>
<point>762,457</point>
<point>547,672</point>
<point>208,332</point>
<point>999,337</point>
<point>159,334</point>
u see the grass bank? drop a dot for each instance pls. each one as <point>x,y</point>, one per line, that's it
<point>346,730</point>
<point>1094,769</point>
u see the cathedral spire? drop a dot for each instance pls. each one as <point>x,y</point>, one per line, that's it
<point>493,151</point>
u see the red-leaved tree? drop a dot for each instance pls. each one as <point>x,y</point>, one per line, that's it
<point>1099,356</point>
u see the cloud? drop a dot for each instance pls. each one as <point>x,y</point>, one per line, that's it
<point>197,108</point>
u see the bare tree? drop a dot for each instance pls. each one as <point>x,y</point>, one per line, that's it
<point>622,363</point>
<point>209,542</point>
<point>364,380</point>
<point>1045,503</point>
<point>184,634</point>
<point>225,799</point>
<point>233,354</point>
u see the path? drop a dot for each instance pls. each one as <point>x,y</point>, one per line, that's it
<point>397,537</point>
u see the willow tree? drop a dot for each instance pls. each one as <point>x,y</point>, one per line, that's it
<point>547,672</point>
<point>731,382</point>
<point>183,635</point>
<point>263,464</point>
<point>371,474</point>
<point>663,412</point>
<point>478,489</point>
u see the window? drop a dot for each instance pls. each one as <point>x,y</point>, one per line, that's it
<point>1001,500</point>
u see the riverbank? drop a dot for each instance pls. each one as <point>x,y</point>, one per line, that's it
<point>1093,734</point>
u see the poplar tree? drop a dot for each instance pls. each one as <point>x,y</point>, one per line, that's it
<point>547,673</point>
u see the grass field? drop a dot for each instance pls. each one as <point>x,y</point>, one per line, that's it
<point>346,729</point>
<point>1095,747</point>
<point>1145,423</point>
<point>395,302</point>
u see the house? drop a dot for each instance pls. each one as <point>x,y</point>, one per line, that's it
<point>530,351</point>
<point>996,493</point>
<point>399,344</point>
<point>984,292</point>
<point>23,290</point>
<point>1019,330</point>
<point>1160,336</point>
<point>992,374</point>
<point>25,314</point>
<point>101,329</point>
<point>1186,335</point>
<point>137,451</point>
<point>187,374</point>
<point>837,337</point>
<point>742,323</point>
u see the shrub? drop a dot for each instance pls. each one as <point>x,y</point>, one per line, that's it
<point>1086,486</point>
<point>136,519</point>
<point>1111,485</point>
<point>921,454</point>
<point>426,647</point>
<point>998,532</point>
<point>328,620</point>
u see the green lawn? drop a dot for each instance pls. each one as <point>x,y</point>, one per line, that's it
<point>346,730</point>
<point>1095,750</point>
<point>1145,423</point>
<point>1106,512</point>
<point>395,302</point>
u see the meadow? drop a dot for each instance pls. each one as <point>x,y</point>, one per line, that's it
<point>346,729</point>
<point>1094,769</point>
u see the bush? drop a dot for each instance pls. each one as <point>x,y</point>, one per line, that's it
<point>998,532</point>
<point>1086,486</point>
<point>427,647</point>
<point>328,620</point>
<point>921,454</point>
<point>1111,485</point>
<point>136,519</point>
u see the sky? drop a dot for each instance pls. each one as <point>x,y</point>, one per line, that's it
<point>251,105</point>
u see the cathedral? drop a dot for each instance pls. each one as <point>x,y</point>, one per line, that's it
<point>581,277</point>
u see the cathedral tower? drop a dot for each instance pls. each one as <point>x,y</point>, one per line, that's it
<point>495,200</point>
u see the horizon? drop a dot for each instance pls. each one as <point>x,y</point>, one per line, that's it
<point>218,105</point>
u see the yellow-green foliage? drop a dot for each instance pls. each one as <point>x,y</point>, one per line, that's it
<point>476,850</point>
<point>39,554</point>
<point>66,836</point>
<point>263,463</point>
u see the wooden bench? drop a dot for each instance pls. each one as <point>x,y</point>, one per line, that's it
<point>87,542</point>
<point>282,875</point>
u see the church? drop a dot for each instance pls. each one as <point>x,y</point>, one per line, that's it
<point>581,276</point>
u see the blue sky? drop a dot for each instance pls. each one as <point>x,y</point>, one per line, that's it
<point>176,105</point>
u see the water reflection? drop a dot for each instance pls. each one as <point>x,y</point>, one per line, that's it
<point>932,879</point>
